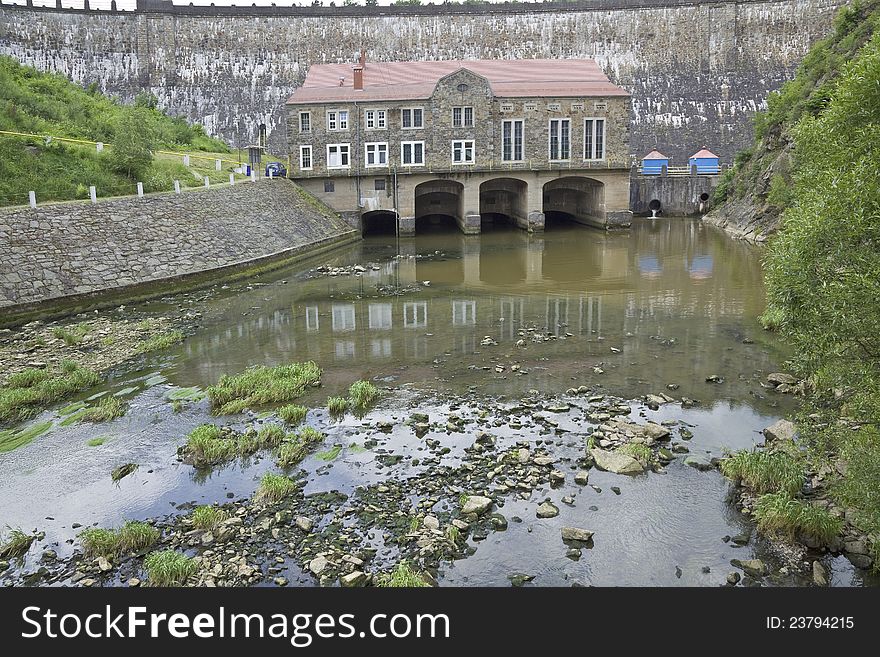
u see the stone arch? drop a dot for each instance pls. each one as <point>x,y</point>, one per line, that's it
<point>439,202</point>
<point>379,222</point>
<point>575,198</point>
<point>504,199</point>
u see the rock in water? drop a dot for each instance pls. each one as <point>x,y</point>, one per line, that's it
<point>576,534</point>
<point>355,579</point>
<point>779,378</point>
<point>698,462</point>
<point>615,462</point>
<point>820,575</point>
<point>780,430</point>
<point>753,567</point>
<point>548,510</point>
<point>477,504</point>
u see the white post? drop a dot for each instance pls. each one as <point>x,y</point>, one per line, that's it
<point>99,146</point>
<point>217,165</point>
<point>177,187</point>
<point>271,174</point>
<point>93,194</point>
<point>253,175</point>
<point>207,181</point>
<point>140,189</point>
<point>186,160</point>
<point>32,197</point>
<point>231,178</point>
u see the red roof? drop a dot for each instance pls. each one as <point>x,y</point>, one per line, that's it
<point>655,155</point>
<point>394,81</point>
<point>703,154</point>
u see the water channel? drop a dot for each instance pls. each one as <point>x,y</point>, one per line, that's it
<point>447,322</point>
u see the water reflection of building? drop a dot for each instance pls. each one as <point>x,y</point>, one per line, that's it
<point>641,282</point>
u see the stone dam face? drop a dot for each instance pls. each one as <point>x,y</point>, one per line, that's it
<point>697,70</point>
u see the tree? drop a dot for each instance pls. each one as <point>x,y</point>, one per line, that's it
<point>133,142</point>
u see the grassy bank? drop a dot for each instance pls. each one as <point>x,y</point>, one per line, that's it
<point>47,104</point>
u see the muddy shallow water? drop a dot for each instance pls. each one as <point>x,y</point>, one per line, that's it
<point>466,325</point>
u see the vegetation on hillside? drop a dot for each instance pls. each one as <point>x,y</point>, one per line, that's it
<point>765,171</point>
<point>823,267</point>
<point>47,104</point>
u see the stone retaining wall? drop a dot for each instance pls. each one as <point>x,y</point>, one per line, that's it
<point>72,249</point>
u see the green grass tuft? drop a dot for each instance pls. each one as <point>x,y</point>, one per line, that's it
<point>72,335</point>
<point>262,385</point>
<point>169,568</point>
<point>271,435</point>
<point>133,536</point>
<point>30,391</point>
<point>96,442</point>
<point>160,341</point>
<point>403,576</point>
<point>330,454</point>
<point>293,414</point>
<point>107,409</point>
<point>638,451</point>
<point>207,445</point>
<point>274,487</point>
<point>11,439</point>
<point>16,544</point>
<point>765,472</point>
<point>362,394</point>
<point>780,514</point>
<point>208,517</point>
<point>337,405</point>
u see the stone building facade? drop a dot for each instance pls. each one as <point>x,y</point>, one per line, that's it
<point>472,140</point>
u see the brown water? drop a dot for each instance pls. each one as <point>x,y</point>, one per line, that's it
<point>674,296</point>
<point>448,320</point>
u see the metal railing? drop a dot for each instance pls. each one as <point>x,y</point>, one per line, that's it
<point>694,170</point>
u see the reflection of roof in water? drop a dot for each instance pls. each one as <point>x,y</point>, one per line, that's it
<point>701,267</point>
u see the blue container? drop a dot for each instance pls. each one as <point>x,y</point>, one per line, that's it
<point>706,161</point>
<point>653,163</point>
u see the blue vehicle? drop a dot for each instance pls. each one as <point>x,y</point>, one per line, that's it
<point>276,170</point>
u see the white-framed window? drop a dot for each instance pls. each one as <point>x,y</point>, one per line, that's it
<point>338,156</point>
<point>463,151</point>
<point>512,132</point>
<point>560,139</point>
<point>594,139</point>
<point>412,117</point>
<point>376,154</point>
<point>337,119</point>
<point>412,153</point>
<point>305,121</point>
<point>462,117</point>
<point>375,119</point>
<point>305,158</point>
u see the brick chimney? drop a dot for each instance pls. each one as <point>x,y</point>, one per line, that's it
<point>359,71</point>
